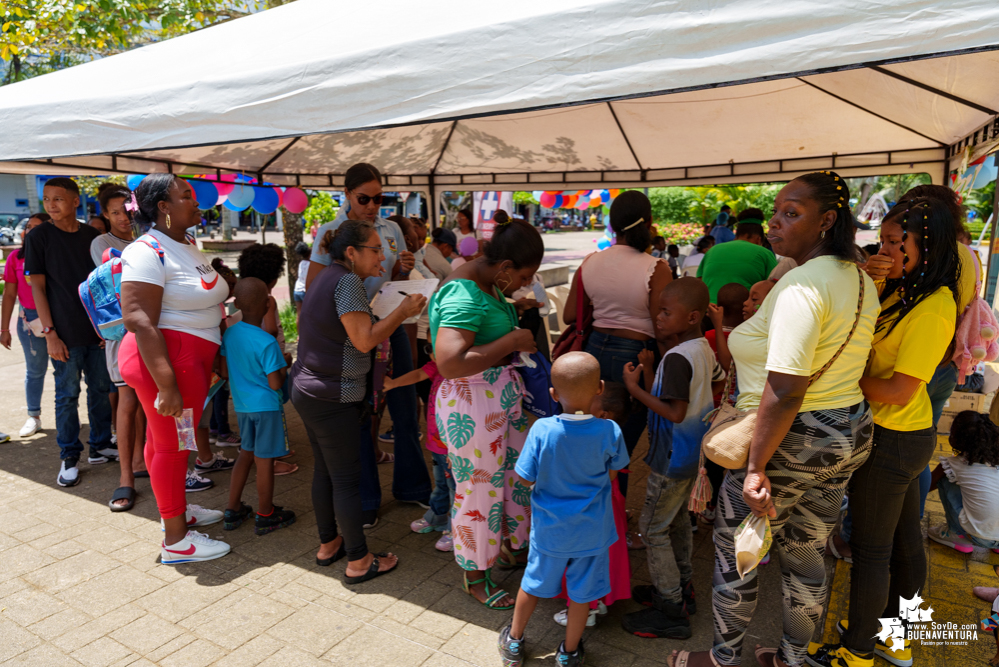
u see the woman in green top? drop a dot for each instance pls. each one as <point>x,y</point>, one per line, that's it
<point>475,336</point>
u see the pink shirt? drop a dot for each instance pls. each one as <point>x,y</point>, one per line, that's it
<point>13,272</point>
<point>617,282</point>
<point>434,443</point>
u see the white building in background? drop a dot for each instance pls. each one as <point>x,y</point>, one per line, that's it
<point>18,195</point>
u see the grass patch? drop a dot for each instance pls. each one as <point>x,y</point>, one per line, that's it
<point>289,322</point>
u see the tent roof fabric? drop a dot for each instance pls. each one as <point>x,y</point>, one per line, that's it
<point>527,95</point>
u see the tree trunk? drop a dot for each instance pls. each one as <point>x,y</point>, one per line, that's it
<point>292,237</point>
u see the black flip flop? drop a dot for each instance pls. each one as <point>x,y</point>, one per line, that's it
<point>326,562</point>
<point>372,572</point>
<point>122,493</point>
<point>142,474</point>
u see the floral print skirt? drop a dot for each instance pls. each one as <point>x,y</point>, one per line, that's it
<point>481,422</point>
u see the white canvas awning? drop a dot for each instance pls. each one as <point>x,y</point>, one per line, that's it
<point>528,95</point>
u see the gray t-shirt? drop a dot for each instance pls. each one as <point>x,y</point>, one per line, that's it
<point>102,243</point>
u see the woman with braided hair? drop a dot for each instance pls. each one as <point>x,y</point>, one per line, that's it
<point>913,335</point>
<point>799,362</point>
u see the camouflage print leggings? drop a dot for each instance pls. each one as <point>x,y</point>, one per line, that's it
<point>808,474</point>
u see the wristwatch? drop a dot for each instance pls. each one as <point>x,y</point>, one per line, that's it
<point>46,330</point>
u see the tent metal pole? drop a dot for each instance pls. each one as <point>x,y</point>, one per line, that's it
<point>432,208</point>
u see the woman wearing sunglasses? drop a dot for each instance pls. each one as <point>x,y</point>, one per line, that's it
<point>411,482</point>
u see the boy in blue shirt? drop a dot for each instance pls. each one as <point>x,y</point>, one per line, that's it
<point>256,369</point>
<point>570,459</point>
<point>682,395</point>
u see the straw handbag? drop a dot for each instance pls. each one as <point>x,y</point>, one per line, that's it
<point>731,432</point>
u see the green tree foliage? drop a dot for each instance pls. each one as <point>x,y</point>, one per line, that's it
<point>41,36</point>
<point>700,205</point>
<point>322,208</point>
<point>981,201</point>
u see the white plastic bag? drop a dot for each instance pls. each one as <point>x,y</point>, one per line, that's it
<point>752,542</point>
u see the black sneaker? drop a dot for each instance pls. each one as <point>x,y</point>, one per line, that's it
<point>102,455</point>
<point>664,619</point>
<point>511,650</point>
<point>235,518</point>
<point>563,659</point>
<point>278,518</point>
<point>643,595</point>
<point>370,518</point>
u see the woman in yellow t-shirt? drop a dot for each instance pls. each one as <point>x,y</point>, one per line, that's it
<point>913,335</point>
<point>809,435</point>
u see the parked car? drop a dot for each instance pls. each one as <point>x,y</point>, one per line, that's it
<point>7,233</point>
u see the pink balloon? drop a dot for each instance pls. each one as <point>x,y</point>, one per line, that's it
<point>295,201</point>
<point>280,193</point>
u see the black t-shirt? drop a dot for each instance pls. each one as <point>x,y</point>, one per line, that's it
<point>64,259</point>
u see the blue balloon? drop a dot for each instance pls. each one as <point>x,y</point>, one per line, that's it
<point>134,180</point>
<point>603,243</point>
<point>605,196</point>
<point>265,200</point>
<point>206,193</point>
<point>229,205</point>
<point>240,198</point>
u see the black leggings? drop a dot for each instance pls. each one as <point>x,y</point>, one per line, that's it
<point>335,435</point>
<point>887,543</point>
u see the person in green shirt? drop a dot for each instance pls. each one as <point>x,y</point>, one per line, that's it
<point>744,260</point>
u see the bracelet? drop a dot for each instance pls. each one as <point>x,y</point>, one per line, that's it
<point>4,330</point>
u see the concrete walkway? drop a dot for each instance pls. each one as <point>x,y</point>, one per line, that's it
<point>80,585</point>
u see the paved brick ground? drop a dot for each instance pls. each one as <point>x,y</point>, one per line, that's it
<point>80,585</point>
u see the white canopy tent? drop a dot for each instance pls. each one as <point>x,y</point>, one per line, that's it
<point>528,95</point>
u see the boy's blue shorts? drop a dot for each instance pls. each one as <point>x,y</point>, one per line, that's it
<point>263,433</point>
<point>586,579</point>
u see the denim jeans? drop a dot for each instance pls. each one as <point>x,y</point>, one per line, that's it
<point>887,543</point>
<point>953,502</point>
<point>442,498</point>
<point>89,362</point>
<point>410,481</point>
<point>219,419</point>
<point>666,528</point>
<point>36,361</point>
<point>613,353</point>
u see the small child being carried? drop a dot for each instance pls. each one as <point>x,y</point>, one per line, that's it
<point>569,459</point>
<point>257,370</point>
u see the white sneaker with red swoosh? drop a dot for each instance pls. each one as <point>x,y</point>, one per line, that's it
<point>193,548</point>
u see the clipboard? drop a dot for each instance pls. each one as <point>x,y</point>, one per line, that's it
<point>391,294</point>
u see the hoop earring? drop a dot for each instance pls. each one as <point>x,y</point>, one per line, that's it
<point>168,221</point>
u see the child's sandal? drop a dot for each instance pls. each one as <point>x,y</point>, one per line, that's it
<point>493,593</point>
<point>508,559</point>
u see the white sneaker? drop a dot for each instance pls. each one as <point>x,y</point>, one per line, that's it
<point>562,617</point>
<point>69,475</point>
<point>31,427</point>
<point>199,516</point>
<point>193,548</point>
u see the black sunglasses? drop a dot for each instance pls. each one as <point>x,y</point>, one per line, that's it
<point>363,200</point>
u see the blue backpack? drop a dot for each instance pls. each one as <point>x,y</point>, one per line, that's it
<point>537,380</point>
<point>101,291</point>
